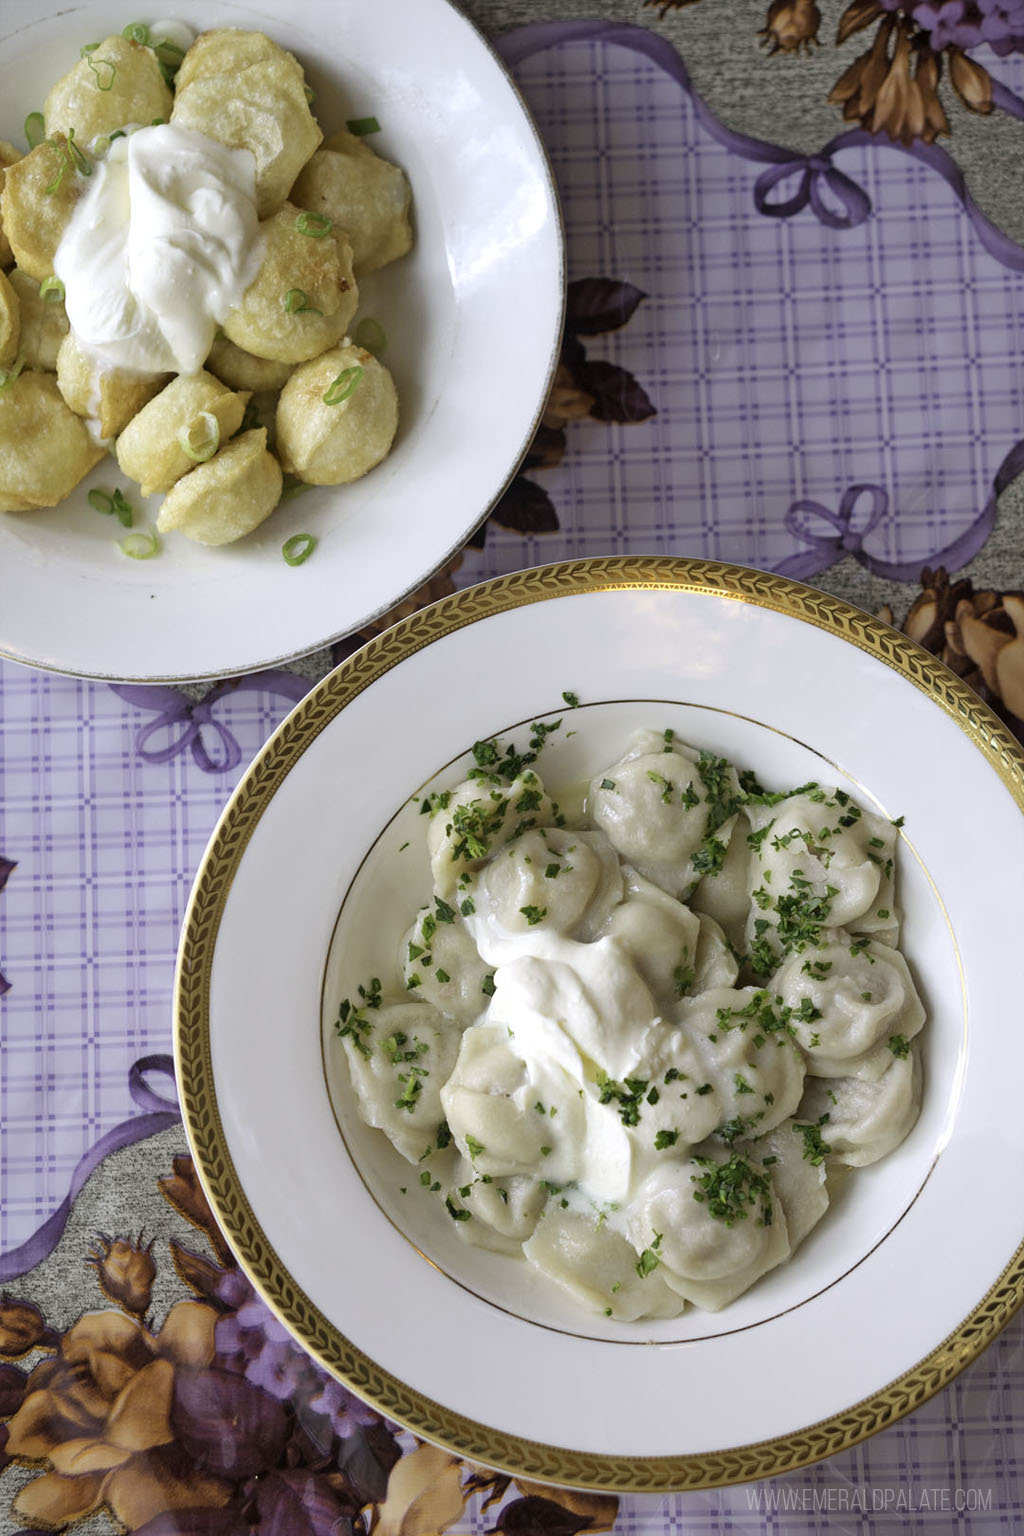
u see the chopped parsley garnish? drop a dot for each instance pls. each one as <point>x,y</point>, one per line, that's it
<point>899,1045</point>
<point>607,784</point>
<point>412,1087</point>
<point>628,1095</point>
<point>534,915</point>
<point>816,1149</point>
<point>664,1139</point>
<point>457,1213</point>
<point>474,1147</point>
<point>648,1260</point>
<point>730,1189</point>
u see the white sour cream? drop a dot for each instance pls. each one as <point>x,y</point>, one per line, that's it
<point>163,242</point>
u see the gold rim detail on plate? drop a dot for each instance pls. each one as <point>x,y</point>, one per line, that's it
<point>461,1435</point>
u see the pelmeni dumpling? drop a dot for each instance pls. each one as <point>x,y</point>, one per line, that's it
<point>503,1211</point>
<point>861,1121</point>
<point>724,893</point>
<point>597,1266</point>
<point>337,417</point>
<point>399,1056</point>
<point>303,296</point>
<point>660,934</point>
<point>713,1224</point>
<point>116,84</point>
<point>848,998</point>
<point>469,822</point>
<point>818,862</point>
<point>150,449</point>
<point>715,964</point>
<point>44,322</point>
<point>251,95</point>
<point>798,1176</point>
<point>666,809</point>
<point>8,155</point>
<point>45,449</point>
<point>441,964</point>
<point>240,370</point>
<point>228,496</point>
<point>39,194</point>
<point>746,1053</point>
<point>565,882</point>
<point>108,397</point>
<point>364,194</point>
<point>510,1115</point>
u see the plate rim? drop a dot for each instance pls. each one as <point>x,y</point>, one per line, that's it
<point>11,652</point>
<point>424,1416</point>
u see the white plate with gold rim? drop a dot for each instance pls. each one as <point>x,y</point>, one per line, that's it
<point>305,885</point>
<point>472,318</point>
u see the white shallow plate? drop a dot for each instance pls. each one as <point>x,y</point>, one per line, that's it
<point>472,315</point>
<point>306,888</point>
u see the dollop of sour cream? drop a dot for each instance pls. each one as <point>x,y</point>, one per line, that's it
<point>163,242</point>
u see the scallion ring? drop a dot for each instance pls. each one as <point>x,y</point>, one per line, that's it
<point>35,129</point>
<point>113,505</point>
<point>142,545</point>
<point>296,302</point>
<point>104,70</point>
<point>361,126</point>
<point>169,57</point>
<point>343,386</point>
<point>316,225</point>
<point>371,335</point>
<point>52,290</point>
<point>136,32</point>
<point>293,488</point>
<point>100,501</point>
<point>86,49</point>
<point>297,549</point>
<point>201,438</point>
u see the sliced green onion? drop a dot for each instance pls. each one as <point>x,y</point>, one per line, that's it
<point>201,438</point>
<point>169,57</point>
<point>142,545</point>
<point>293,488</point>
<point>52,290</point>
<point>310,94</point>
<point>343,386</point>
<point>71,158</point>
<point>251,416</point>
<point>296,302</point>
<point>79,159</point>
<point>157,122</point>
<point>371,335</point>
<point>361,126</point>
<point>298,548</point>
<point>35,129</point>
<point>316,225</point>
<point>8,375</point>
<point>118,133</point>
<point>114,505</point>
<point>136,32</point>
<point>105,72</point>
<point>87,48</point>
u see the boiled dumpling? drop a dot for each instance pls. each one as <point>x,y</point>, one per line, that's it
<point>117,84</point>
<point>441,964</point>
<point>364,194</point>
<point>861,1121</point>
<point>228,496</point>
<point>399,1056</point>
<point>337,417</point>
<point>564,882</point>
<point>597,1266</point>
<point>45,449</point>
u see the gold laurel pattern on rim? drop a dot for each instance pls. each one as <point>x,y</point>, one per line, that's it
<point>425,1417</point>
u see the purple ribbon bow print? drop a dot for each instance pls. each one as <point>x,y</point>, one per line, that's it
<point>195,717</point>
<point>835,198</point>
<point>805,518</point>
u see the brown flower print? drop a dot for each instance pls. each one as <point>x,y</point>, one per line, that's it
<point>980,635</point>
<point>99,1413</point>
<point>791,25</point>
<point>125,1270</point>
<point>22,1329</point>
<point>184,1191</point>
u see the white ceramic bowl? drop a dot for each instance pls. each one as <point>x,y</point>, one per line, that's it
<point>305,887</point>
<point>473,320</point>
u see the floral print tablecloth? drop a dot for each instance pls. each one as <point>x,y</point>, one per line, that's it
<point>796,270</point>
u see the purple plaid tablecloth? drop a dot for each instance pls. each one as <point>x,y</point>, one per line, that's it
<point>809,363</point>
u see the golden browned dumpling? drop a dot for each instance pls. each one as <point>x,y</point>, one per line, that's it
<point>337,417</point>
<point>39,192</point>
<point>193,409</point>
<point>10,322</point>
<point>45,448</point>
<point>108,396</point>
<point>304,294</point>
<point>44,322</point>
<point>8,155</point>
<point>227,51</point>
<point>229,496</point>
<point>116,84</point>
<point>241,370</point>
<point>261,105</point>
<point>364,194</point>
